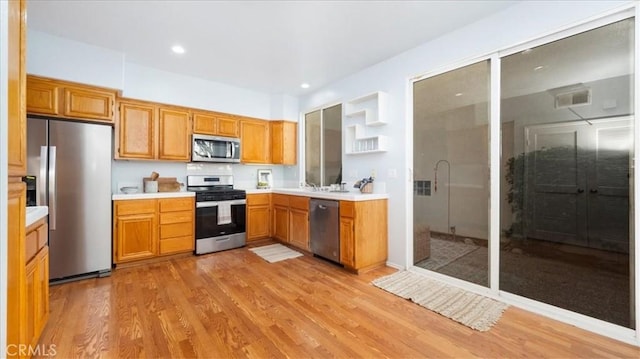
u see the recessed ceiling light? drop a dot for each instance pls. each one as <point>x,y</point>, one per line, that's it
<point>538,68</point>
<point>177,49</point>
<point>305,85</point>
<point>459,94</point>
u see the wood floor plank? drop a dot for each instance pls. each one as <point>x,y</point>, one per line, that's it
<point>233,304</point>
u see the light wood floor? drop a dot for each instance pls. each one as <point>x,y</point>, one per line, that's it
<point>234,304</point>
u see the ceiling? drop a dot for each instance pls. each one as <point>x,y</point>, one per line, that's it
<point>267,46</point>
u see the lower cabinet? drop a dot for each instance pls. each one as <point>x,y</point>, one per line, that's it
<point>280,227</point>
<point>299,222</point>
<point>258,216</point>
<point>36,300</point>
<point>148,228</point>
<point>363,234</point>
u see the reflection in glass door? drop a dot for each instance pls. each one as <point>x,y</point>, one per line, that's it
<point>451,173</point>
<point>567,146</point>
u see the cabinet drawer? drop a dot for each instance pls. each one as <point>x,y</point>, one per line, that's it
<point>31,245</point>
<point>176,204</point>
<point>258,199</point>
<point>176,230</point>
<point>135,207</point>
<point>176,217</point>
<point>280,200</point>
<point>177,244</point>
<point>299,202</point>
<point>347,209</point>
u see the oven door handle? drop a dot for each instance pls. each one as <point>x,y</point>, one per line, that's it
<point>215,204</point>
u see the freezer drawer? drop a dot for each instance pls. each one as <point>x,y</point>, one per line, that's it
<point>324,221</point>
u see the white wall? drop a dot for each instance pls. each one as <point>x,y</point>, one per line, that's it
<point>517,24</point>
<point>4,18</point>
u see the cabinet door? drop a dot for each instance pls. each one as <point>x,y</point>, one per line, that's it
<point>205,123</point>
<point>255,141</point>
<point>136,131</point>
<point>87,103</point>
<point>299,228</point>
<point>16,79</point>
<point>347,242</point>
<point>227,126</point>
<point>32,290</point>
<point>174,135</point>
<point>16,297</point>
<point>42,97</point>
<point>136,237</point>
<point>281,223</point>
<point>283,142</point>
<point>258,222</point>
<point>42,309</point>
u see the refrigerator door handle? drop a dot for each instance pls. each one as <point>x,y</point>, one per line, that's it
<point>42,180</point>
<point>52,188</point>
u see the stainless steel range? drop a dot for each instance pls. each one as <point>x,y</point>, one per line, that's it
<point>220,213</point>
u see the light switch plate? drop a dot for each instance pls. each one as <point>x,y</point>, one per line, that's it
<point>392,173</point>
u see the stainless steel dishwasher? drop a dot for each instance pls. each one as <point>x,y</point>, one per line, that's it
<point>324,218</point>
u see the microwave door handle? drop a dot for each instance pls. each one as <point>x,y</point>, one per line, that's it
<point>229,150</point>
<point>233,150</point>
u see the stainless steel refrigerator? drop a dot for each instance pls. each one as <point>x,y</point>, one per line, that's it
<point>72,165</point>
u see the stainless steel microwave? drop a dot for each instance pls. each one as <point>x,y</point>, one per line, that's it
<point>215,149</point>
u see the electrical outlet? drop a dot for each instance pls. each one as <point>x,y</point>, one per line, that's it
<point>392,173</point>
<point>353,173</point>
<point>373,173</point>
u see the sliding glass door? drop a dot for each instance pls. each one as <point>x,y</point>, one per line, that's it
<point>567,145</point>
<point>451,173</point>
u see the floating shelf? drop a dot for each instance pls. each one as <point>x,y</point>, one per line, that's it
<point>365,111</point>
<point>371,107</point>
<point>356,143</point>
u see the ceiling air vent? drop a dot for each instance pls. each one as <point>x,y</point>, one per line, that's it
<point>574,98</point>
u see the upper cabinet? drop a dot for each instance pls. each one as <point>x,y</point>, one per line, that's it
<point>283,142</point>
<point>215,124</point>
<point>152,132</point>
<point>69,100</point>
<point>174,134</point>
<point>256,141</point>
<point>16,139</point>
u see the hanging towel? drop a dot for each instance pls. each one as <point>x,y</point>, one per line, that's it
<point>224,212</point>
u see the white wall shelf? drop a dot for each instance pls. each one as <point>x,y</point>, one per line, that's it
<point>371,108</point>
<point>362,112</point>
<point>357,143</point>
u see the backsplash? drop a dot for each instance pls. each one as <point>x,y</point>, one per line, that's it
<point>130,173</point>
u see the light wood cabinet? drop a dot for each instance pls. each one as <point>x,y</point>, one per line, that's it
<point>174,134</point>
<point>299,222</point>
<point>146,131</point>
<point>16,270</point>
<point>280,229</point>
<point>17,138</point>
<point>136,130</point>
<point>135,230</point>
<point>258,216</point>
<point>148,228</point>
<point>56,98</point>
<point>177,225</point>
<point>255,137</point>
<point>37,295</point>
<point>363,234</point>
<point>215,124</point>
<point>283,142</point>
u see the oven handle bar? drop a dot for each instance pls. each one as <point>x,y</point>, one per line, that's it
<point>215,204</point>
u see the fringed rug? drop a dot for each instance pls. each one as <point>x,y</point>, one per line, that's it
<point>473,310</point>
<point>275,252</point>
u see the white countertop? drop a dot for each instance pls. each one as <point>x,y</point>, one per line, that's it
<point>35,214</point>
<point>339,196</point>
<point>122,196</point>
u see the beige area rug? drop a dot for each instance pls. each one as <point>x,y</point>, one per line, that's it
<point>275,252</point>
<point>473,310</point>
